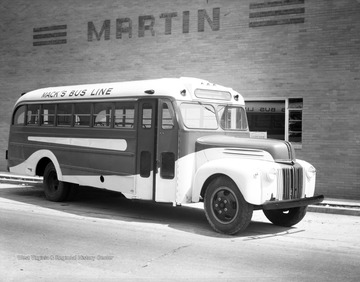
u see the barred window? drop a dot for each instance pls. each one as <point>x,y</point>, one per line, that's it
<point>33,114</point>
<point>82,114</point>
<point>124,115</point>
<point>102,114</point>
<point>64,114</point>
<point>47,114</point>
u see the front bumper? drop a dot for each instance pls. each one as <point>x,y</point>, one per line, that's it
<point>286,204</point>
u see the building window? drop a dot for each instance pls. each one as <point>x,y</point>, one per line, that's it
<point>276,119</point>
<point>295,107</point>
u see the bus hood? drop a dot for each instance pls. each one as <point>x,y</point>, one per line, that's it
<point>281,151</point>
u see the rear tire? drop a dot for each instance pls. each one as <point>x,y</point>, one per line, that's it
<point>286,218</point>
<point>55,190</point>
<point>225,208</point>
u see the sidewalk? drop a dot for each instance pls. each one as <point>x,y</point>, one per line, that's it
<point>332,206</point>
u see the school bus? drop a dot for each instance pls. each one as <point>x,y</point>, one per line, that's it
<point>174,140</point>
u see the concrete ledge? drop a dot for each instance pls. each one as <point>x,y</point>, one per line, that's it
<point>342,210</point>
<point>337,206</point>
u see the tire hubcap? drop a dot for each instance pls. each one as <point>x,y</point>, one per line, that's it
<point>224,205</point>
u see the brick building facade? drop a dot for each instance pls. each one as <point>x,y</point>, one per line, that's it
<point>268,50</point>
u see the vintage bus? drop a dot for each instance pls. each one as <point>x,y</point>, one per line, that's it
<point>174,140</point>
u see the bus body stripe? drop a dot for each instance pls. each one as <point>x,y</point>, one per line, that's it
<point>98,143</point>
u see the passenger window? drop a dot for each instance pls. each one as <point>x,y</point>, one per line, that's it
<point>124,115</point>
<point>33,114</point>
<point>64,112</point>
<point>145,164</point>
<point>19,116</point>
<point>47,114</point>
<point>102,114</point>
<point>146,116</point>
<point>166,117</point>
<point>82,114</point>
<point>167,165</point>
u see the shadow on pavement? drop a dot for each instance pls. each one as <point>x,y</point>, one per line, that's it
<point>96,203</point>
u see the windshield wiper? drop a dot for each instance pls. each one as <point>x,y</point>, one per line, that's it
<point>207,108</point>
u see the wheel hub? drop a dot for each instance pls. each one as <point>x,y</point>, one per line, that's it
<point>224,205</point>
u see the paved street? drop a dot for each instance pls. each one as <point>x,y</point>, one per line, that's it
<point>102,236</point>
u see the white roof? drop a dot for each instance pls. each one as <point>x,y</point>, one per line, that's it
<point>171,87</point>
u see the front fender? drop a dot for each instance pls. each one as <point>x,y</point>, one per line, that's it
<point>245,173</point>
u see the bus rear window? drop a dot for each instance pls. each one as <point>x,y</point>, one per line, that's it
<point>19,116</point>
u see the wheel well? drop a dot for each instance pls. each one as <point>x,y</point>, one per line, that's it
<point>207,182</point>
<point>40,168</point>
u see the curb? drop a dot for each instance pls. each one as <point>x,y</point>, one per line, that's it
<point>335,209</point>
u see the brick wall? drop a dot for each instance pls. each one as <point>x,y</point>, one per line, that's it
<point>263,49</point>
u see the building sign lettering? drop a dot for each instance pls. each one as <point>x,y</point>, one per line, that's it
<point>261,14</point>
<point>146,25</point>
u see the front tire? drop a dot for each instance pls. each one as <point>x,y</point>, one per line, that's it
<point>225,208</point>
<point>286,218</point>
<point>55,190</point>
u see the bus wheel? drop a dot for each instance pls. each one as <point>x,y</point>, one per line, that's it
<point>54,189</point>
<point>225,208</point>
<point>286,218</point>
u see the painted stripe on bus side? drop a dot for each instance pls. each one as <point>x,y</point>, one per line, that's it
<point>96,143</point>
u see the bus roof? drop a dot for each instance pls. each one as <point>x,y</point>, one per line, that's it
<point>184,88</point>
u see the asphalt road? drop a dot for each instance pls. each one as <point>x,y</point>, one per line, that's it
<point>101,236</point>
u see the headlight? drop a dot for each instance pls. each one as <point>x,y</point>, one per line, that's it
<point>271,174</point>
<point>310,172</point>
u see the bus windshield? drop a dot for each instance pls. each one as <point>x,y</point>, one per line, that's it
<point>199,116</point>
<point>207,116</point>
<point>232,117</point>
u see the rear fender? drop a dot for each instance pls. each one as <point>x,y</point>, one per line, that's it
<point>29,165</point>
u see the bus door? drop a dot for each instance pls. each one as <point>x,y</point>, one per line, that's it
<point>166,153</point>
<point>157,151</point>
<point>146,149</point>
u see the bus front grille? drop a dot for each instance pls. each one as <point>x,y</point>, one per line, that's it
<point>290,182</point>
